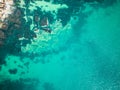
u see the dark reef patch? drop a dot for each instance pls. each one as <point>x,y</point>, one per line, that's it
<point>12,71</point>
<point>22,84</point>
<point>48,86</point>
<point>0,68</point>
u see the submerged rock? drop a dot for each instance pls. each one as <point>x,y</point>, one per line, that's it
<point>13,71</point>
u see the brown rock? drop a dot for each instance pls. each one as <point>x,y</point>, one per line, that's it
<point>4,26</point>
<point>2,35</point>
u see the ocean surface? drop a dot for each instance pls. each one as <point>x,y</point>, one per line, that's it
<point>76,47</point>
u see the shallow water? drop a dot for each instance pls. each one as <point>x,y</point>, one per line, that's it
<point>83,54</point>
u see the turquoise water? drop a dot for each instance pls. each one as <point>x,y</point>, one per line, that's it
<point>82,51</point>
